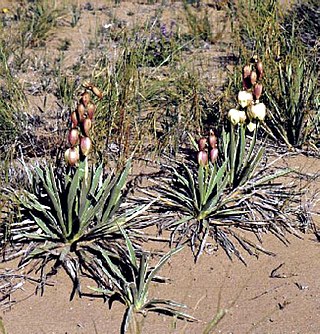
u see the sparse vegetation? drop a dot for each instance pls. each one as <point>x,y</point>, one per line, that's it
<point>162,87</point>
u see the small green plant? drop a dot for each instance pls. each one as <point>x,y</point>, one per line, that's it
<point>39,18</point>
<point>129,282</point>
<point>76,15</point>
<point>199,23</point>
<point>13,122</point>
<point>292,94</point>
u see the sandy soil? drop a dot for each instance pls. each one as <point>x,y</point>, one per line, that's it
<point>257,298</point>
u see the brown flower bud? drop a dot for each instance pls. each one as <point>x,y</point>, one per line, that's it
<point>246,70</point>
<point>259,68</point>
<point>202,158</point>
<point>96,91</point>
<point>74,119</point>
<point>73,137</point>
<point>85,98</point>
<point>214,155</point>
<point>87,126</point>
<point>257,91</point>
<point>253,77</point>
<point>91,108</point>
<point>72,155</point>
<point>202,143</point>
<point>81,110</point>
<point>212,139</point>
<point>85,145</point>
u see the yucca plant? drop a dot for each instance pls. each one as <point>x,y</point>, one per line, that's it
<point>236,192</point>
<point>62,213</point>
<point>128,281</point>
<point>292,94</point>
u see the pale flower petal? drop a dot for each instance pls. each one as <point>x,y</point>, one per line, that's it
<point>251,126</point>
<point>234,116</point>
<point>244,98</point>
<point>258,111</point>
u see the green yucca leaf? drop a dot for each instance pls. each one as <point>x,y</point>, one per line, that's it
<point>215,179</point>
<point>47,184</point>
<point>251,167</point>
<point>212,204</point>
<point>182,221</point>
<point>143,271</point>
<point>159,265</point>
<point>242,148</point>
<point>114,203</point>
<point>132,254</point>
<point>129,314</point>
<point>72,197</point>
<point>114,269</point>
<point>45,229</point>
<point>191,186</point>
<point>202,184</point>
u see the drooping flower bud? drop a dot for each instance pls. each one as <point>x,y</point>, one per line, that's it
<point>244,98</point>
<point>257,91</point>
<point>73,137</point>
<point>72,155</point>
<point>202,143</point>
<point>246,70</point>
<point>253,77</point>
<point>259,68</point>
<point>81,110</point>
<point>85,98</point>
<point>246,77</point>
<point>214,155</point>
<point>233,116</point>
<point>257,111</point>
<point>96,91</point>
<point>85,145</point>
<point>91,108</point>
<point>74,119</point>
<point>212,139</point>
<point>202,158</point>
<point>87,126</point>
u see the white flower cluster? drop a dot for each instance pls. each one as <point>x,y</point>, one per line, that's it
<point>248,99</point>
